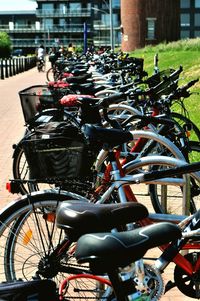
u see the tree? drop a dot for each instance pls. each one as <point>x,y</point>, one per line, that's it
<point>5,45</point>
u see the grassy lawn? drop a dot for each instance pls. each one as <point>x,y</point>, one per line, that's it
<point>185,53</point>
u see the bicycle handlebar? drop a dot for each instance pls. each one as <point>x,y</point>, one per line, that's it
<point>114,98</point>
<point>182,91</point>
<point>175,171</point>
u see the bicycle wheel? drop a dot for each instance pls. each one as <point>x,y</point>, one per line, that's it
<point>27,238</point>
<point>194,154</point>
<point>50,75</point>
<point>187,124</point>
<point>120,113</point>
<point>172,195</point>
<point>87,287</point>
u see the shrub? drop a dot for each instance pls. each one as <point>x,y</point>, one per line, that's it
<point>5,45</point>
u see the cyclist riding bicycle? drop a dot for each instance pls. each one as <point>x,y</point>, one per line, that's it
<point>40,57</point>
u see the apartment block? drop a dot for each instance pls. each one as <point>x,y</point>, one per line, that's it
<point>129,24</point>
<point>61,22</point>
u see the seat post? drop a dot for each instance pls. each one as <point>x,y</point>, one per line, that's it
<point>117,285</point>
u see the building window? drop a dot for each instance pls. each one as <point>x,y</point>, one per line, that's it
<point>196,19</point>
<point>197,33</point>
<point>185,3</point>
<point>185,20</point>
<point>47,6</point>
<point>197,4</point>
<point>105,19</point>
<point>116,3</point>
<point>48,23</point>
<point>185,34</point>
<point>75,6</point>
<point>63,8</point>
<point>151,28</point>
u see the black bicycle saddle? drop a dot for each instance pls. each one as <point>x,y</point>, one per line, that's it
<point>79,218</point>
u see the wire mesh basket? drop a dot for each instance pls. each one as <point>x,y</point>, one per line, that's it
<point>54,156</point>
<point>31,100</point>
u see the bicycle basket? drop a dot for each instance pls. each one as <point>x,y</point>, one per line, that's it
<point>31,100</point>
<point>57,155</point>
<point>35,290</point>
<point>155,79</point>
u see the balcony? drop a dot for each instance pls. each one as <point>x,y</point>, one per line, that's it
<point>47,42</point>
<point>18,28</point>
<point>62,13</point>
<point>67,28</point>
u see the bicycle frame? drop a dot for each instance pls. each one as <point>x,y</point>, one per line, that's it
<point>121,183</point>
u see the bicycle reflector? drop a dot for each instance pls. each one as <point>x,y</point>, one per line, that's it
<point>27,237</point>
<point>50,217</point>
<point>13,187</point>
<point>187,128</point>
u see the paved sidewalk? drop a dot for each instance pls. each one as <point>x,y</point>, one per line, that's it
<point>11,131</point>
<point>12,121</point>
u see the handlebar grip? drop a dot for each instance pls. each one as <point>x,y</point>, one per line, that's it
<point>114,98</point>
<point>176,72</point>
<point>182,91</point>
<point>191,83</point>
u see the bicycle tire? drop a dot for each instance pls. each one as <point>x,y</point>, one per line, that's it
<point>20,168</point>
<point>195,193</point>
<point>50,75</point>
<point>87,287</point>
<point>194,154</point>
<point>27,239</point>
<point>174,203</point>
<point>183,120</point>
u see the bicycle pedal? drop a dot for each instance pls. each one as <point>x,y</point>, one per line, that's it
<point>169,286</point>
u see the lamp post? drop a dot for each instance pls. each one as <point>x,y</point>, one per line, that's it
<point>111,26</point>
<point>111,22</point>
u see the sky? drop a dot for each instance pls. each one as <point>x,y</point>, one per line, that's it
<point>17,5</point>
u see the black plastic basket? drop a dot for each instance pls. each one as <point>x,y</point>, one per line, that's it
<point>31,100</point>
<point>57,157</point>
<point>163,83</point>
<point>155,79</point>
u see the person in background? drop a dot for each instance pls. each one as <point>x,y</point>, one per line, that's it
<point>40,53</point>
<point>53,55</point>
<point>71,48</point>
<point>62,51</point>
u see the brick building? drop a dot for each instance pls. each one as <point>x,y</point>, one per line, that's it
<point>149,22</point>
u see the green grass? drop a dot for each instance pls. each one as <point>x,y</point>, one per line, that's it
<point>172,55</point>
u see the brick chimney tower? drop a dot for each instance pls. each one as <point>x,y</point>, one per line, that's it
<point>131,24</point>
<point>149,22</point>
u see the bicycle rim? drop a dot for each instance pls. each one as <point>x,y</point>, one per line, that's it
<point>50,75</point>
<point>27,239</point>
<point>184,121</point>
<point>87,287</point>
<point>166,196</point>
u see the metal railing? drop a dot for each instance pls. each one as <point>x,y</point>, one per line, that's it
<point>55,28</point>
<point>13,66</point>
<point>63,13</point>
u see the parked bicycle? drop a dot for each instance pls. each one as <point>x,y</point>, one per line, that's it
<point>28,228</point>
<point>118,255</point>
<point>29,224</point>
